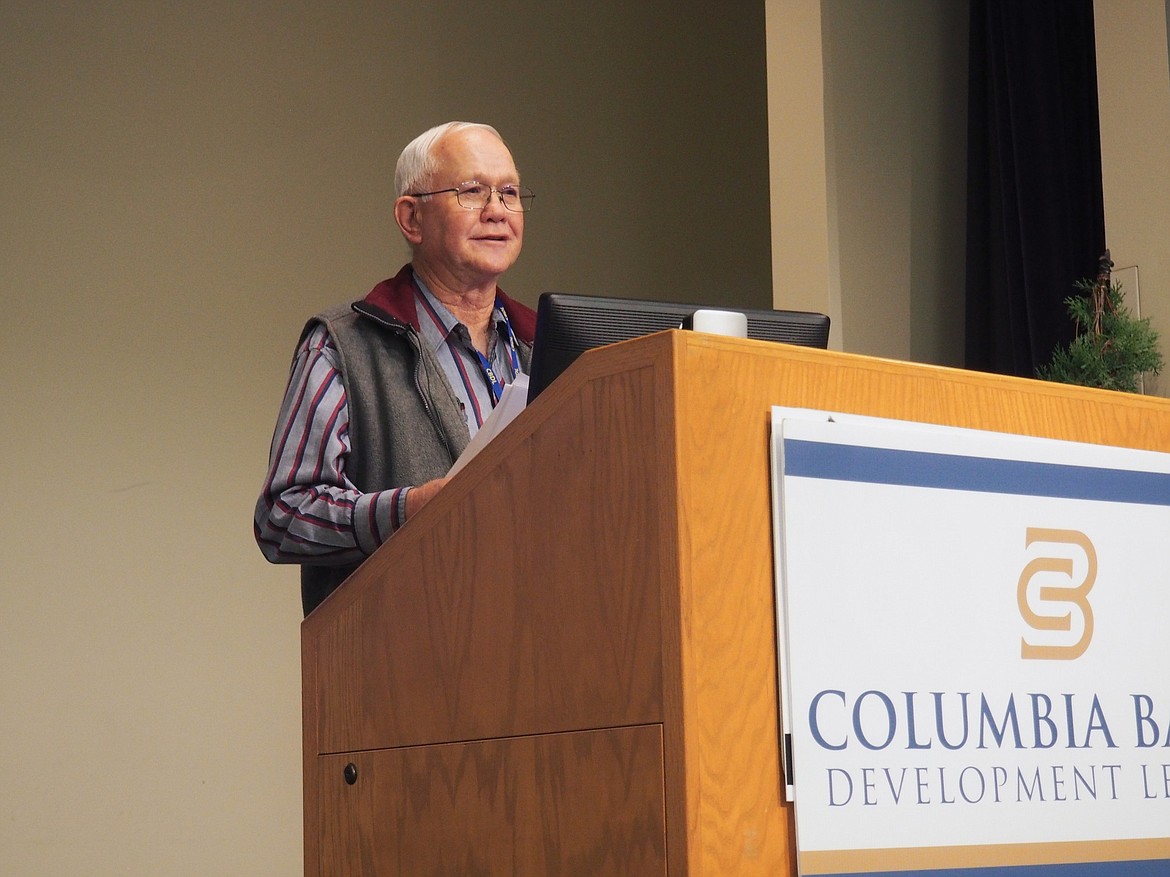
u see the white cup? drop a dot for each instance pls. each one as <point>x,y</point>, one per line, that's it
<point>713,322</point>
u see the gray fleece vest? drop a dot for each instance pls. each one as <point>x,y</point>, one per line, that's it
<point>405,424</point>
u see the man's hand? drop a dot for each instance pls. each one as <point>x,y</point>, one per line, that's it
<point>420,495</point>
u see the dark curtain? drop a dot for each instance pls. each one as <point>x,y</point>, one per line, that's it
<point>1035,215</point>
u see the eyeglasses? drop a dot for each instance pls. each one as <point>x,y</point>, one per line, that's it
<point>475,195</point>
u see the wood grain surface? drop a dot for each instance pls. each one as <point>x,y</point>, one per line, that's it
<point>566,663</point>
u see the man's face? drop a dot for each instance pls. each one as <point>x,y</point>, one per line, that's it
<point>464,248</point>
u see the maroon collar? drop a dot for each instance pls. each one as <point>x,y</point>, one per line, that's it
<point>395,297</point>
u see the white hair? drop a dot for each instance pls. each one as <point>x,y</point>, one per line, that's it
<point>416,166</point>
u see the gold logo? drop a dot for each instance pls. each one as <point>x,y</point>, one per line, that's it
<point>1053,595</point>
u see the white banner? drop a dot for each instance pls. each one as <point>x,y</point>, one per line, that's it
<point>974,639</point>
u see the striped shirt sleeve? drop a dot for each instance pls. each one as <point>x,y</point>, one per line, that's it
<point>308,510</point>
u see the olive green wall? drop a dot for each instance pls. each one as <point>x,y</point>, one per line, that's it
<point>1133,82</point>
<point>182,185</point>
<point>868,116</point>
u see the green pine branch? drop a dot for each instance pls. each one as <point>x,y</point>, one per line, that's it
<point>1112,349</point>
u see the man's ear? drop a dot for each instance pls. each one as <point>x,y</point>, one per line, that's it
<point>406,214</point>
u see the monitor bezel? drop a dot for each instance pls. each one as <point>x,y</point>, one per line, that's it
<point>568,324</point>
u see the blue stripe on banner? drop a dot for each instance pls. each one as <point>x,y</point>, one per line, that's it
<point>1159,868</point>
<point>836,462</point>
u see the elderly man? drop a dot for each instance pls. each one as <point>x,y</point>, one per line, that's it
<point>386,392</point>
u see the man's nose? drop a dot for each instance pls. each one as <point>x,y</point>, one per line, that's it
<point>495,204</point>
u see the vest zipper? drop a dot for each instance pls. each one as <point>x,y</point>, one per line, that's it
<point>427,407</point>
<point>396,325</point>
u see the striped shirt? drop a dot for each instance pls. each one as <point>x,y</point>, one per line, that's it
<point>308,510</point>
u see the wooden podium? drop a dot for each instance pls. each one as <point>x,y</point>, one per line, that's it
<point>566,663</point>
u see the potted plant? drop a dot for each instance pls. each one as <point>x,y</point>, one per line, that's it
<point>1112,349</point>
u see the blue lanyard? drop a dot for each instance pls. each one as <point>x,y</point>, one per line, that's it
<point>509,339</point>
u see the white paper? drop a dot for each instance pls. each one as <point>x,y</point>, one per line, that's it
<point>512,402</point>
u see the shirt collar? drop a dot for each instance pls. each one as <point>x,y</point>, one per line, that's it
<point>437,323</point>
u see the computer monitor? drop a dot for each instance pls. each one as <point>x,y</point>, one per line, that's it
<point>568,325</point>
